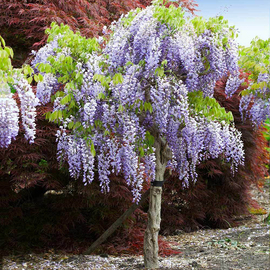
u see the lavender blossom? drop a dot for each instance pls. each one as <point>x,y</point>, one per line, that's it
<point>9,120</point>
<point>28,108</point>
<point>46,88</point>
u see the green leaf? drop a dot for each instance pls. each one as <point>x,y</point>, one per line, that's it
<point>120,108</point>
<point>65,99</point>
<point>141,151</point>
<point>142,63</point>
<point>12,89</point>
<point>70,125</point>
<point>9,51</point>
<point>53,116</point>
<point>72,104</point>
<point>48,115</point>
<point>30,79</point>
<point>40,77</point>
<point>3,42</point>
<point>224,41</point>
<point>150,139</point>
<point>98,77</point>
<point>60,115</point>
<point>93,151</point>
<point>77,125</point>
<point>36,77</point>
<point>101,96</point>
<point>164,62</point>
<point>129,63</point>
<point>148,107</point>
<point>159,71</point>
<point>98,123</point>
<point>117,78</point>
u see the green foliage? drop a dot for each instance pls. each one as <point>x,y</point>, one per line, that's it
<point>255,60</point>
<point>6,69</point>
<point>267,132</point>
<point>159,71</point>
<point>79,46</point>
<point>172,16</point>
<point>117,78</point>
<point>106,80</point>
<point>215,24</point>
<point>8,73</point>
<point>209,107</point>
<point>43,166</point>
<point>130,16</point>
<point>148,144</point>
<point>66,68</point>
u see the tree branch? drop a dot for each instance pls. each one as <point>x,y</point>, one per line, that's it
<point>116,224</point>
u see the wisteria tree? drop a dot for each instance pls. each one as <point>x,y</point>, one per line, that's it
<point>143,103</point>
<point>138,101</point>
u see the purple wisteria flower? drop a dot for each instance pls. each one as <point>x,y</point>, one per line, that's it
<point>46,88</point>
<point>28,102</point>
<point>9,120</point>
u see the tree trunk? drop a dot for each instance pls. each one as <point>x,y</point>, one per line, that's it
<point>163,154</point>
<point>152,230</point>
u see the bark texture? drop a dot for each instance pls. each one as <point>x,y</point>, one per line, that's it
<point>152,230</point>
<point>163,155</point>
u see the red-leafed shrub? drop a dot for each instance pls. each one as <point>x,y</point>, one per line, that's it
<point>23,23</point>
<point>26,172</point>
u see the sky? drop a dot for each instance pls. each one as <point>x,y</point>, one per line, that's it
<point>250,17</point>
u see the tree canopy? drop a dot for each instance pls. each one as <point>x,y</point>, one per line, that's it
<point>152,81</point>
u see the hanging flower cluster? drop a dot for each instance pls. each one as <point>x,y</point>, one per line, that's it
<point>9,126</point>
<point>118,101</point>
<point>11,81</point>
<point>9,110</point>
<point>46,88</point>
<point>9,117</point>
<point>28,105</point>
